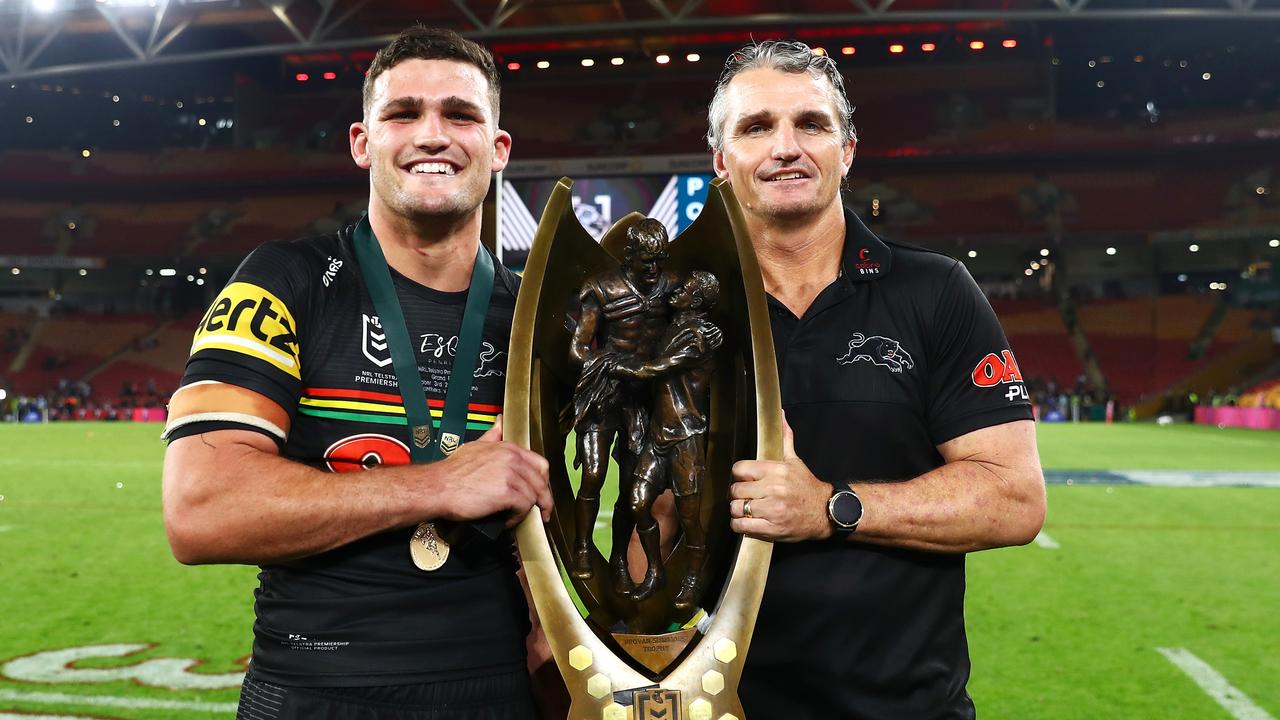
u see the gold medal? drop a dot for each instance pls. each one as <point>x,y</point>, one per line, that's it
<point>428,550</point>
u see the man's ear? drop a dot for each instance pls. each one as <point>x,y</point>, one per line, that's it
<point>358,137</point>
<point>717,162</point>
<point>501,150</point>
<point>846,157</point>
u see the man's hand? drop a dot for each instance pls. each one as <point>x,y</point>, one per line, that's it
<point>788,503</point>
<point>490,476</point>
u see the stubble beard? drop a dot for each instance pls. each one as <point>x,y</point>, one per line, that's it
<point>416,208</point>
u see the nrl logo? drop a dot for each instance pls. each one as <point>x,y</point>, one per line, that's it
<point>877,350</point>
<point>373,341</point>
<point>658,704</point>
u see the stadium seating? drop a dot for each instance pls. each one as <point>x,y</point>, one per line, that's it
<point>1143,344</point>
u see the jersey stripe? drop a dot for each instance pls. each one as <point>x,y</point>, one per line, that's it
<point>382,402</point>
<point>383,409</point>
<point>381,419</point>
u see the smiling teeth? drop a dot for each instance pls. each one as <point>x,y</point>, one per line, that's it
<point>787,176</point>
<point>432,169</point>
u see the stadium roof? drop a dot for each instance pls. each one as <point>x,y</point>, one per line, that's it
<point>43,38</point>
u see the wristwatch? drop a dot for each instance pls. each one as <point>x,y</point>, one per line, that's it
<point>844,509</point>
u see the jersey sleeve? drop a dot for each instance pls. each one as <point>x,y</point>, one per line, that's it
<point>248,340</point>
<point>974,380</point>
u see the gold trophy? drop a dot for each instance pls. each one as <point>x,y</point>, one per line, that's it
<point>658,354</point>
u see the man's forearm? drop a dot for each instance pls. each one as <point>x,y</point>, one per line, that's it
<point>229,497</point>
<point>962,506</point>
<point>228,501</point>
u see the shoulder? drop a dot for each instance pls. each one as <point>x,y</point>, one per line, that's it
<point>505,279</point>
<point>298,261</point>
<point>920,261</point>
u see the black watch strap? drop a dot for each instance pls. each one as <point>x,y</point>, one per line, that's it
<point>844,510</point>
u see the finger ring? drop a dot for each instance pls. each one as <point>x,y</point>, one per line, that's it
<point>746,508</point>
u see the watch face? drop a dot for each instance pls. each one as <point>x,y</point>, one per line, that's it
<point>846,509</point>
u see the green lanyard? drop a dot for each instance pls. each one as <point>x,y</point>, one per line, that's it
<point>425,448</point>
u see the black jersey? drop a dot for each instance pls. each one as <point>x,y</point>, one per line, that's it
<point>883,367</point>
<point>296,324</point>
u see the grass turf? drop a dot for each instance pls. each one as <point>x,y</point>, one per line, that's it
<point>1054,634</point>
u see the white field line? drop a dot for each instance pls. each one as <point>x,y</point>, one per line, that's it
<point>1044,541</point>
<point>1214,685</point>
<point>24,716</point>
<point>50,698</point>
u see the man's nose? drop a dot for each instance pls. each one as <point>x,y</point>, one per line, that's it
<point>785,144</point>
<point>430,134</point>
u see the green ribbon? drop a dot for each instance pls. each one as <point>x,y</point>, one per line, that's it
<point>423,447</point>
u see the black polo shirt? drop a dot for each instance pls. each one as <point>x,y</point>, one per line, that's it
<point>898,355</point>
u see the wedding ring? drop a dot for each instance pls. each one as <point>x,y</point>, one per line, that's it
<point>746,508</point>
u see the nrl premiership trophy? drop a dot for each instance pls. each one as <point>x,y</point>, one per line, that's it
<point>652,357</point>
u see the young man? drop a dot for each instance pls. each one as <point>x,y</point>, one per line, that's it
<point>906,455</point>
<point>289,441</point>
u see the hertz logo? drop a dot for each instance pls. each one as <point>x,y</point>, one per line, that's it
<point>251,321</point>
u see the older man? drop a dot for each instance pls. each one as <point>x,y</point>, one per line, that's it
<point>913,441</point>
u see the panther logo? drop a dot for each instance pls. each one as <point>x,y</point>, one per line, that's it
<point>877,350</point>
<point>492,362</point>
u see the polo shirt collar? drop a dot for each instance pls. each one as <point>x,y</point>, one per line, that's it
<point>866,257</point>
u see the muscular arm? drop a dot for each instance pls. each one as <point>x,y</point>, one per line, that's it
<point>988,494</point>
<point>230,498</point>
<point>690,348</point>
<point>585,331</point>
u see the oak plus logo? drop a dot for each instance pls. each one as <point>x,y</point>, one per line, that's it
<point>995,370</point>
<point>373,341</point>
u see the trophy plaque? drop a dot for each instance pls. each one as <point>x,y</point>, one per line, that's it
<point>644,364</point>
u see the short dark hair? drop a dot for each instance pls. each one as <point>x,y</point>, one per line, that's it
<point>423,43</point>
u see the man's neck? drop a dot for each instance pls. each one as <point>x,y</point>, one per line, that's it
<point>798,260</point>
<point>439,254</point>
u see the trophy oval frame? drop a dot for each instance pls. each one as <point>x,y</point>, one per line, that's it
<point>702,681</point>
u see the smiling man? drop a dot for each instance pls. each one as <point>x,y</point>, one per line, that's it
<point>908,449</point>
<point>388,590</point>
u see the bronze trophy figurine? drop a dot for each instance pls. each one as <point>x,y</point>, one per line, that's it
<point>624,312</point>
<point>674,451</point>
<point>657,354</point>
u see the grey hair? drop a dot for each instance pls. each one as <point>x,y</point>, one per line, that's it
<point>788,56</point>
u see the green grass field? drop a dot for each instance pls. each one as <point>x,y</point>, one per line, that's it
<point>1056,633</point>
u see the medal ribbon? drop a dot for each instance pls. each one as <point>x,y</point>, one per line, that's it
<point>425,447</point>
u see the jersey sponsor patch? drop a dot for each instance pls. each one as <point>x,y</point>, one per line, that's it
<point>877,350</point>
<point>247,319</point>
<point>993,370</point>
<point>365,451</point>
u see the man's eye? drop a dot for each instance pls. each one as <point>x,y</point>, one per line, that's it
<point>404,115</point>
<point>755,130</point>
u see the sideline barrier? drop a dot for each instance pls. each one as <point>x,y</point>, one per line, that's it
<point>1245,417</point>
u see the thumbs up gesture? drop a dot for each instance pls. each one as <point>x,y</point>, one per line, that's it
<point>779,500</point>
